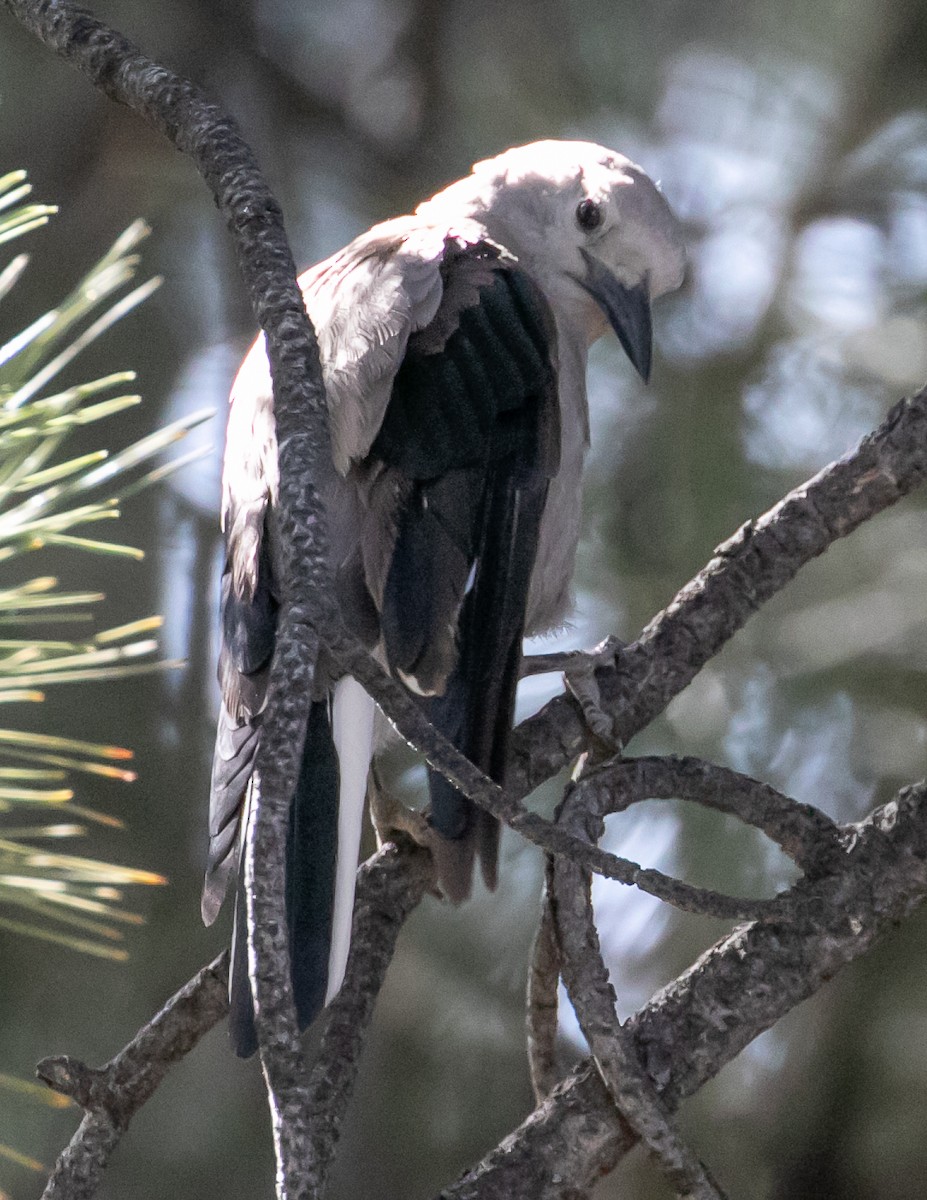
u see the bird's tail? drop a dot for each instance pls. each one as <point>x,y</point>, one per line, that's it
<point>477,709</point>
<point>321,864</point>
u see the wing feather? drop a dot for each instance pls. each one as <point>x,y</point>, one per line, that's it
<point>472,433</point>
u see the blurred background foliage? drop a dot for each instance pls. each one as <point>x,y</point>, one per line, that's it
<point>792,140</point>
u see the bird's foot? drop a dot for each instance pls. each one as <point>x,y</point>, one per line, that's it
<point>390,816</point>
<point>583,686</point>
<point>558,661</point>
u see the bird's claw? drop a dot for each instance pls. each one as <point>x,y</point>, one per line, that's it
<point>390,816</point>
<point>583,686</point>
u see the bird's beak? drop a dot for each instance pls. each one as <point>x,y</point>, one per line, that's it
<point>627,309</point>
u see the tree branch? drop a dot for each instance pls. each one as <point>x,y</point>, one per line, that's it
<point>113,1094</point>
<point>199,128</point>
<point>808,836</point>
<point>758,561</point>
<point>389,886</point>
<point>593,998</point>
<point>541,1005</point>
<point>440,752</point>
<point>736,990</point>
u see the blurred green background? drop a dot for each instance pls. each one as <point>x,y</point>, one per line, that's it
<point>792,140</point>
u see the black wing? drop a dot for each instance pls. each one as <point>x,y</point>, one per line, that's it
<point>472,435</point>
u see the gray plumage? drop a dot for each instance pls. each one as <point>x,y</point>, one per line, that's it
<point>453,346</point>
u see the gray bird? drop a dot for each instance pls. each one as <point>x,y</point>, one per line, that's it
<point>453,346</point>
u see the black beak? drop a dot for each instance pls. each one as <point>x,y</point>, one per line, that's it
<point>627,309</point>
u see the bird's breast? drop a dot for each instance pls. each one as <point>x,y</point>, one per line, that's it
<point>550,594</point>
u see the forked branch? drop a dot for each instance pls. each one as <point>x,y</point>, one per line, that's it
<point>737,989</point>
<point>113,1094</point>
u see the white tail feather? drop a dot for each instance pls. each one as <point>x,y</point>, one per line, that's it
<point>352,731</point>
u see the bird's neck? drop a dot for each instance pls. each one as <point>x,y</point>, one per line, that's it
<point>518,226</point>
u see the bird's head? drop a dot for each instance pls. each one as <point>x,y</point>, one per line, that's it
<point>589,225</point>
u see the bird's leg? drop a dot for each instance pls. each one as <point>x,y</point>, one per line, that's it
<point>581,682</point>
<point>390,816</point>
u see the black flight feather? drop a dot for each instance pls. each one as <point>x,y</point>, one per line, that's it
<point>473,425</point>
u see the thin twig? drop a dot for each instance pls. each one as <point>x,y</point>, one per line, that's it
<point>414,726</point>
<point>593,999</point>
<point>558,661</point>
<point>541,1004</point>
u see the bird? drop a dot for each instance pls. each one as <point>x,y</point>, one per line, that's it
<point>453,345</point>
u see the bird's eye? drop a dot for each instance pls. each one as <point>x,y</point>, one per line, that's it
<point>588,215</point>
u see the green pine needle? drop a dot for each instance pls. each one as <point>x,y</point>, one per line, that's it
<point>47,499</point>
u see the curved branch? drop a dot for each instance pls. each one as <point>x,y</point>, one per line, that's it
<point>199,128</point>
<point>808,836</point>
<point>611,1045</point>
<point>593,998</point>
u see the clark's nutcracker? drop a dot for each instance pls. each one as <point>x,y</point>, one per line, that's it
<point>453,346</point>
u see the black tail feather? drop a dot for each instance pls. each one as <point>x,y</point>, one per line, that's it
<point>311,854</point>
<point>312,851</point>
